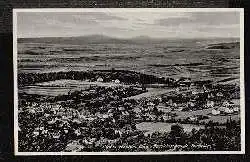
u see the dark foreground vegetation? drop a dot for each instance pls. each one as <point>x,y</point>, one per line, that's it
<point>50,131</point>
<point>105,118</point>
<point>129,77</point>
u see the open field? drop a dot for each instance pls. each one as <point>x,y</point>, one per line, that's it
<point>195,59</point>
<point>62,87</point>
<point>152,92</point>
<point>215,118</point>
<point>163,59</point>
<point>127,94</point>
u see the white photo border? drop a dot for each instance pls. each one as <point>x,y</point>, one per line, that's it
<point>242,82</point>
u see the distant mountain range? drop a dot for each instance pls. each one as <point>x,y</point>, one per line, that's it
<point>70,40</point>
<point>99,39</point>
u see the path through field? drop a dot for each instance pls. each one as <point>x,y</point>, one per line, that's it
<point>151,92</point>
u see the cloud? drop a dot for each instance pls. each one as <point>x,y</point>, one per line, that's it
<point>216,18</point>
<point>202,18</point>
<point>129,24</point>
<point>173,21</point>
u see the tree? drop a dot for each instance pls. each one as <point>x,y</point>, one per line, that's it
<point>177,130</point>
<point>177,134</point>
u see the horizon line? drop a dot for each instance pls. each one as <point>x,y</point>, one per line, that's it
<point>129,38</point>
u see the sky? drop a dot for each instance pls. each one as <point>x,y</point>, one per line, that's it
<point>129,24</point>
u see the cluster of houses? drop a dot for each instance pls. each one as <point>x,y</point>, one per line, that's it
<point>58,118</point>
<point>65,117</point>
<point>116,81</point>
<point>203,96</point>
<point>226,108</point>
<point>57,122</point>
<point>188,97</point>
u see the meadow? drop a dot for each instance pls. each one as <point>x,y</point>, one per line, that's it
<point>133,88</point>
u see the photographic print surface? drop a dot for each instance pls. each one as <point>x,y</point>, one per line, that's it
<point>127,81</point>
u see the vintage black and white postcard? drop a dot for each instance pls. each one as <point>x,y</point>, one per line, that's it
<point>129,81</point>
